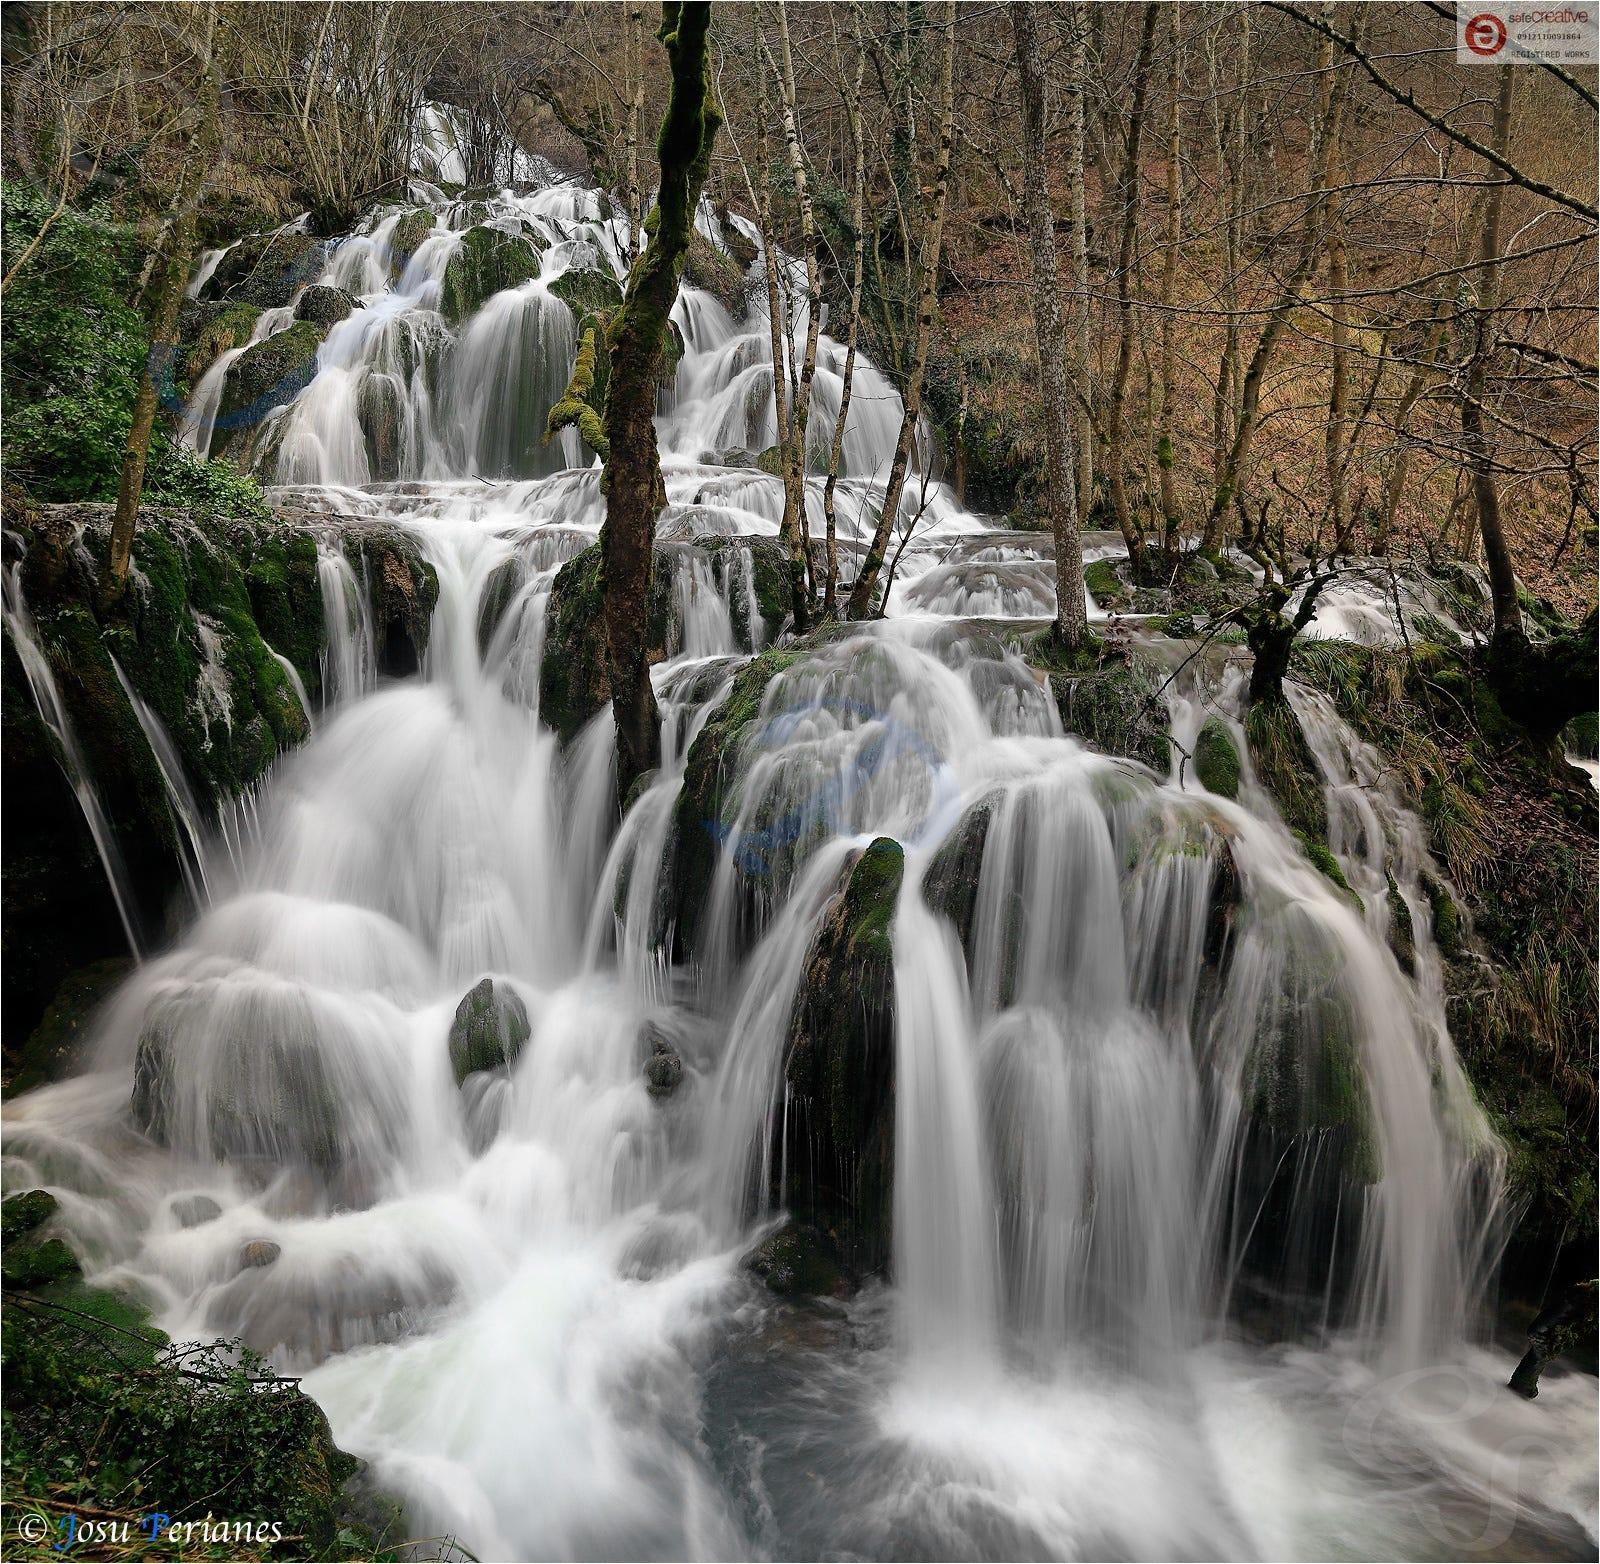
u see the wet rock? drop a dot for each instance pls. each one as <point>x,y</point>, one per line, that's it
<point>798,1261</point>
<point>587,293</point>
<point>719,274</point>
<point>267,376</point>
<point>324,306</point>
<point>1110,701</point>
<point>1227,896</point>
<point>404,589</point>
<point>1563,1326</point>
<point>195,1210</point>
<point>23,1214</point>
<point>1285,766</point>
<point>1216,761</point>
<point>950,885</point>
<point>505,582</point>
<point>839,1132</point>
<point>1402,937</point>
<point>489,1030</point>
<point>56,1044</point>
<point>267,269</point>
<point>258,1254</point>
<point>663,1070</point>
<point>573,682</point>
<point>210,330</point>
<point>488,262</point>
<point>769,575</point>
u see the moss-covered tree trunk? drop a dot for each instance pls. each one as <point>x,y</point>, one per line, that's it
<point>1071,617</point>
<point>168,275</point>
<point>634,491</point>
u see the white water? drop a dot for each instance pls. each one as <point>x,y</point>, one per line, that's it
<point>1121,1322</point>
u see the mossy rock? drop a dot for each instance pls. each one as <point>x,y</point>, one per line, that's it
<point>706,803</point>
<point>324,306</point>
<point>267,270</point>
<point>1581,736</point>
<point>574,685</point>
<point>269,375</point>
<point>1324,862</point>
<point>708,268</point>
<point>586,292</point>
<point>839,1131</point>
<point>770,461</point>
<point>769,574</point>
<point>1402,934</point>
<point>212,330</point>
<point>488,262</point>
<point>489,1030</point>
<point>1216,760</point>
<point>1113,703</point>
<point>56,1044</point>
<point>1285,766</point>
<point>24,1214</point>
<point>403,589</point>
<point>407,238</point>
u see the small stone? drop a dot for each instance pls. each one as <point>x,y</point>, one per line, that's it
<point>261,1252</point>
<point>194,1210</point>
<point>663,1070</point>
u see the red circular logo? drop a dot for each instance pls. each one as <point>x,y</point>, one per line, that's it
<point>1485,34</point>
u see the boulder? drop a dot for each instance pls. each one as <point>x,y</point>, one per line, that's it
<point>488,262</point>
<point>269,375</point>
<point>195,1210</point>
<point>586,292</point>
<point>798,1261</point>
<point>663,1069</point>
<point>838,1135</point>
<point>403,588</point>
<point>324,306</point>
<point>489,1030</point>
<point>258,1254</point>
<point>1216,761</point>
<point>267,269</point>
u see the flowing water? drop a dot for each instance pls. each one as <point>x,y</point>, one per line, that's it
<point>1189,1253</point>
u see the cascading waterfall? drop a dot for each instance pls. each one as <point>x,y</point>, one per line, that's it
<point>1174,1233</point>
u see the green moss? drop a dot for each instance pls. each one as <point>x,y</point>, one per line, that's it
<point>1582,736</point>
<point>56,1043</point>
<point>407,238</point>
<point>265,377</point>
<point>578,406</point>
<point>1216,761</point>
<point>587,292</point>
<point>23,1214</point>
<point>1325,863</point>
<point>489,1030</point>
<point>1447,931</point>
<point>1285,766</point>
<point>1108,700</point>
<point>1105,585</point>
<point>770,461</point>
<point>222,327</point>
<point>488,262</point>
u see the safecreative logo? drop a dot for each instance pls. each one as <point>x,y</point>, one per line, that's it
<point>1518,34</point>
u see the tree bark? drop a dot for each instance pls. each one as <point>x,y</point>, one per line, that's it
<point>1078,216</point>
<point>1071,623</point>
<point>1508,626</point>
<point>168,275</point>
<point>1166,453</point>
<point>858,191</point>
<point>1116,455</point>
<point>632,478</point>
<point>866,582</point>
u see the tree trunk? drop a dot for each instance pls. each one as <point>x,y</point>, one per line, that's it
<point>1230,478</point>
<point>1166,452</point>
<point>853,330</point>
<point>1116,454</point>
<point>632,478</point>
<point>1508,626</point>
<point>794,466</point>
<point>866,582</point>
<point>1078,216</point>
<point>168,277</point>
<point>1071,626</point>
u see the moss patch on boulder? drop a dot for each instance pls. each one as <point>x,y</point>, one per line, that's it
<point>488,262</point>
<point>267,269</point>
<point>1216,761</point>
<point>489,1030</point>
<point>839,1133</point>
<point>267,376</point>
<point>1110,700</point>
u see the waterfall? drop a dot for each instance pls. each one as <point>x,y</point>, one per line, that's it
<point>1193,1209</point>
